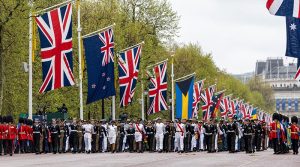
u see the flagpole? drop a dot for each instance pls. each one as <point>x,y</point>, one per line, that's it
<point>30,63</point>
<point>79,57</point>
<point>189,75</point>
<point>157,63</point>
<point>172,76</point>
<point>143,105</point>
<point>97,31</point>
<point>130,47</point>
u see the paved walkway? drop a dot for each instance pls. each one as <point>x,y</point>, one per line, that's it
<point>201,159</point>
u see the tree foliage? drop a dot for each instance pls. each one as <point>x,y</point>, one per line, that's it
<point>152,21</point>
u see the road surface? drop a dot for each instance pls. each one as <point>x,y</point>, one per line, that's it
<point>201,159</point>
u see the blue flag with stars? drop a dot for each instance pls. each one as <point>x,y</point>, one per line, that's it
<point>293,37</point>
<point>99,53</point>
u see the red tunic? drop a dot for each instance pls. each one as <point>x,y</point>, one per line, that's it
<point>273,133</point>
<point>4,131</point>
<point>22,132</point>
<point>294,132</point>
<point>1,131</point>
<point>29,133</point>
<point>12,132</point>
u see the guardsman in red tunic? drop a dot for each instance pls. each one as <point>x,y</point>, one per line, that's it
<point>11,135</point>
<point>1,135</point>
<point>4,134</point>
<point>273,134</point>
<point>22,131</point>
<point>295,134</point>
<point>29,131</point>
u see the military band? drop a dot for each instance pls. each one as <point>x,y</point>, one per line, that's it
<point>92,136</point>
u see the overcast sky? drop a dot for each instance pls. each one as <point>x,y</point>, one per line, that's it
<point>236,32</point>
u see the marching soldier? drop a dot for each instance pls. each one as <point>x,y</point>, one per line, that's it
<point>223,129</point>
<point>88,129</point>
<point>167,137</point>
<point>11,135</point>
<point>264,135</point>
<point>188,137</point>
<point>55,131</point>
<point>112,135</point>
<point>231,135</point>
<point>80,138</point>
<point>258,136</point>
<point>130,136</point>
<point>273,134</point>
<point>179,136</point>
<point>159,135</point>
<point>73,136</point>
<point>295,135</point>
<point>139,131</point>
<point>62,136</point>
<point>22,131</point>
<point>248,132</point>
<point>37,131</point>
<point>121,136</point>
<point>209,132</point>
<point>46,137</point>
<point>104,141</point>
<point>150,131</point>
<point>102,134</point>
<point>29,132</point>
<point>94,136</point>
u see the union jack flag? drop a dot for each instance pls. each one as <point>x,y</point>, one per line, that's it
<point>206,97</point>
<point>224,106</point>
<point>196,97</point>
<point>243,110</point>
<point>289,8</point>
<point>232,110</point>
<point>158,89</point>
<point>55,31</point>
<point>107,38</point>
<point>129,64</point>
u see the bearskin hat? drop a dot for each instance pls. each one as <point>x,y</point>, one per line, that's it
<point>294,119</point>
<point>275,116</point>
<point>29,122</point>
<point>280,117</point>
<point>26,121</point>
<point>21,120</point>
<point>4,119</point>
<point>1,120</point>
<point>9,119</point>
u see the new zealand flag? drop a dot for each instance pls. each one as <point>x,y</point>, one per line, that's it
<point>99,53</point>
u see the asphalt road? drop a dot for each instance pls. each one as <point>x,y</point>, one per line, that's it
<point>201,159</point>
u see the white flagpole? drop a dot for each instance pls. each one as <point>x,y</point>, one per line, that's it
<point>30,63</point>
<point>79,56</point>
<point>172,76</point>
<point>143,103</point>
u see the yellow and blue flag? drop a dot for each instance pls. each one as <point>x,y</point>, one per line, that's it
<point>184,98</point>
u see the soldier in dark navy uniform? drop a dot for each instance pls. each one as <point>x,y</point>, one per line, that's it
<point>130,136</point>
<point>188,136</point>
<point>73,136</point>
<point>231,135</point>
<point>248,132</point>
<point>37,131</point>
<point>167,141</point>
<point>258,136</point>
<point>102,133</point>
<point>55,131</point>
<point>209,132</point>
<point>150,133</point>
